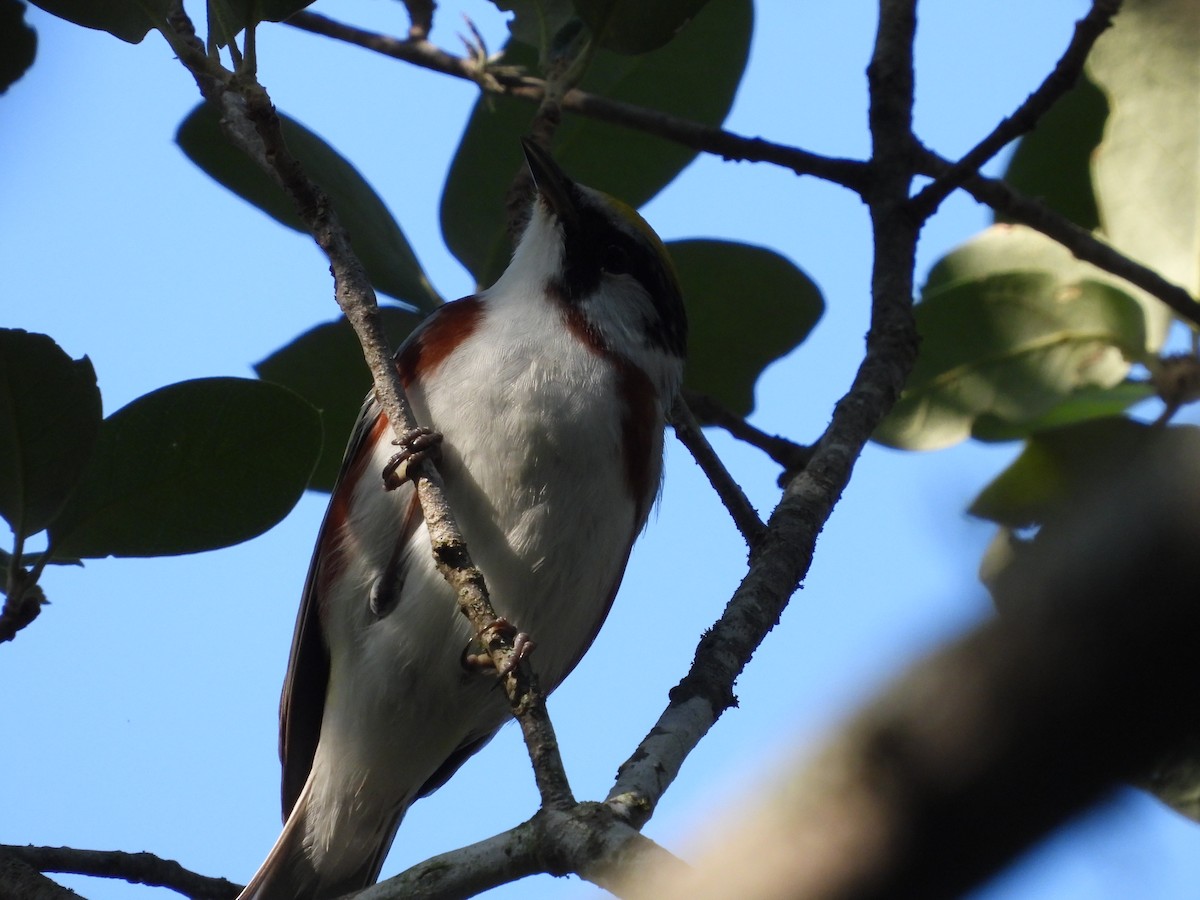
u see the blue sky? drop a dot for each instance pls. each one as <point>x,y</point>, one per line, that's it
<point>141,706</point>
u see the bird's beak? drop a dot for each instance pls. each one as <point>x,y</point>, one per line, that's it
<point>552,183</point>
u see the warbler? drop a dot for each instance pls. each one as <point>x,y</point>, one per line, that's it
<point>550,392</point>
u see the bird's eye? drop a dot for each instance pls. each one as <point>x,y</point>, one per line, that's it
<point>614,260</point>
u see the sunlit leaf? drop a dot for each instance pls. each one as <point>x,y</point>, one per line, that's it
<point>49,418</point>
<point>693,77</point>
<point>377,239</point>
<point>325,366</point>
<point>193,466</point>
<point>1147,168</point>
<point>747,306</point>
<point>1086,403</point>
<point>1012,327</point>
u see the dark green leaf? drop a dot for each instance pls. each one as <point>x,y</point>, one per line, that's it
<point>694,77</point>
<point>1053,162</point>
<point>325,366</point>
<point>193,466</point>
<point>747,306</point>
<point>49,418</point>
<point>377,239</point>
<point>228,17</point>
<point>18,43</point>
<point>635,26</point>
<point>536,22</point>
<point>1059,466</point>
<point>129,20</point>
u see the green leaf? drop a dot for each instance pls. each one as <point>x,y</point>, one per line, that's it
<point>228,17</point>
<point>693,77</point>
<point>49,418</point>
<point>1079,406</point>
<point>1012,327</point>
<point>1053,162</point>
<point>635,26</point>
<point>192,466</point>
<point>537,22</point>
<point>1147,168</point>
<point>325,366</point>
<point>18,43</point>
<point>1059,466</point>
<point>747,306</point>
<point>377,239</point>
<point>129,20</point>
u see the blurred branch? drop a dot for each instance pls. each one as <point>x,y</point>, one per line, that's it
<point>1088,680</point>
<point>744,515</point>
<point>251,123</point>
<point>499,80</point>
<point>136,868</point>
<point>1060,80</point>
<point>1001,196</point>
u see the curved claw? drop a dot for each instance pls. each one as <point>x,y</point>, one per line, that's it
<point>417,446</point>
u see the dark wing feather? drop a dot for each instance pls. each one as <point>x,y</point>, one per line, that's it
<point>303,702</point>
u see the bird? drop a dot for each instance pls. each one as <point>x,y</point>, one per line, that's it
<point>549,394</point>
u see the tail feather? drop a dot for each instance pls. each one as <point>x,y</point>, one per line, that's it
<point>292,870</point>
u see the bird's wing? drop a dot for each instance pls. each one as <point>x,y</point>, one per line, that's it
<point>303,702</point>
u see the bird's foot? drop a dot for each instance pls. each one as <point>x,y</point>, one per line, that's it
<point>477,658</point>
<point>417,446</point>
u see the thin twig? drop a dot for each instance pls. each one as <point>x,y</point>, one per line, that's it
<point>136,868</point>
<point>705,138</point>
<point>792,456</point>
<point>1063,77</point>
<point>743,513</point>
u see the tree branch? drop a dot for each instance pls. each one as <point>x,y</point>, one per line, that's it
<point>136,868</point>
<point>586,839</point>
<point>782,558</point>
<point>499,80</point>
<point>1063,77</point>
<point>252,125</point>
<point>744,515</point>
<point>792,456</point>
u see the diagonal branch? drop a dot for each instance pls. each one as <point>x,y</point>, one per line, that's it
<point>1063,77</point>
<point>744,516</point>
<point>252,125</point>
<point>782,558</point>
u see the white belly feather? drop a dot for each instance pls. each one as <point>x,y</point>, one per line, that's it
<point>532,462</point>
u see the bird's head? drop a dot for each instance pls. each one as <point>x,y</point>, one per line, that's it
<point>598,258</point>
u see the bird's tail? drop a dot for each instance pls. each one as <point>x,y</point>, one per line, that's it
<point>296,870</point>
